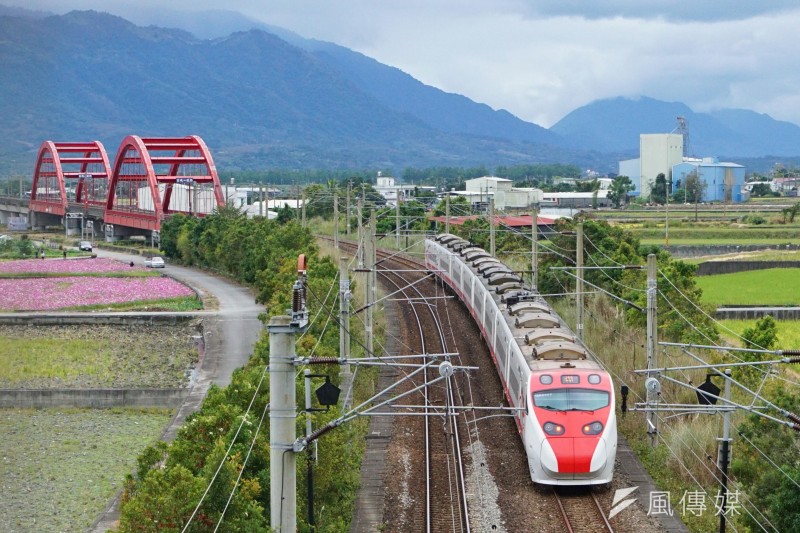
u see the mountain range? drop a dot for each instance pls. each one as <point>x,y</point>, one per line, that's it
<point>268,98</point>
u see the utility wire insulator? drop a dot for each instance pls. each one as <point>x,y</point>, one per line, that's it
<point>793,417</point>
<point>322,361</point>
<point>795,356</point>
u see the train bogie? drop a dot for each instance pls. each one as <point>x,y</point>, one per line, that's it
<point>564,398</point>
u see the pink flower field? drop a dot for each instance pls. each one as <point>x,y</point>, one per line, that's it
<point>67,266</point>
<point>42,294</point>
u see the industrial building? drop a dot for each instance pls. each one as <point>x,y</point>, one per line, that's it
<point>663,153</point>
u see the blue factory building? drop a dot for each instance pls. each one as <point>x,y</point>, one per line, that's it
<point>724,181</point>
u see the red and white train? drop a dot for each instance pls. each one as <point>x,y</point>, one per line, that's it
<point>566,410</point>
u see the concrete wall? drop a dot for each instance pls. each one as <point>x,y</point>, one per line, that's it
<point>699,251</point>
<point>710,268</point>
<point>91,398</point>
<point>754,313</point>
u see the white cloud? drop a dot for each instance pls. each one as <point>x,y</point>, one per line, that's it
<point>542,59</point>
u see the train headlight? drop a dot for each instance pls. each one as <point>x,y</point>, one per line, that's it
<point>551,428</point>
<point>594,379</point>
<point>595,428</point>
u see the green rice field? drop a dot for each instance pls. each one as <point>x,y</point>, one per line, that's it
<point>775,286</point>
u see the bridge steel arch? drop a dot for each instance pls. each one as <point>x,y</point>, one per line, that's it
<point>156,177</point>
<point>69,176</point>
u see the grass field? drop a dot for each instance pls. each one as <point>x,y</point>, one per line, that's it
<point>109,356</point>
<point>775,286</point>
<point>60,467</point>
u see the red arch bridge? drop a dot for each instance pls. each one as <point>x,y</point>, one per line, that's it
<point>151,178</point>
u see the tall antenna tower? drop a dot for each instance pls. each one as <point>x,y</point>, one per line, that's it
<point>682,127</point>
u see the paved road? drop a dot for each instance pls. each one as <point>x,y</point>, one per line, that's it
<point>235,328</point>
<point>229,334</point>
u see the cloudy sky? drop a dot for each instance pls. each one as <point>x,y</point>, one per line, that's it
<point>540,59</point>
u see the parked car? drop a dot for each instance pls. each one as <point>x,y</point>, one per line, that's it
<point>154,262</point>
<point>85,246</point>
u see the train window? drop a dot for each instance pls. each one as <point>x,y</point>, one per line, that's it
<point>570,379</point>
<point>571,399</point>
<point>594,379</point>
<point>545,379</point>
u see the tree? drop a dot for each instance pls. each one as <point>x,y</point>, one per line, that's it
<point>658,190</point>
<point>761,189</point>
<point>618,192</point>
<point>695,187</point>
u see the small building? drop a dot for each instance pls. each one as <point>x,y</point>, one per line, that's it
<point>724,181</point>
<point>506,196</point>
<point>576,200</point>
<point>387,187</point>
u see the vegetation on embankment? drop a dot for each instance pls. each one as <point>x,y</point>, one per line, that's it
<point>171,479</point>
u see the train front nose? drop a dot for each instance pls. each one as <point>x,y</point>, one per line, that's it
<point>573,456</point>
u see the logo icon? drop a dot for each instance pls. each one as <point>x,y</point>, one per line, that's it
<point>617,505</point>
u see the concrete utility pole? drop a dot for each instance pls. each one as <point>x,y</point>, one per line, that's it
<point>303,199</point>
<point>336,220</point>
<point>491,225</point>
<point>535,250</point>
<point>347,210</point>
<point>344,314</point>
<point>282,415</point>
<point>361,243</point>
<point>447,213</point>
<point>397,218</point>
<point>579,280</point>
<point>652,384</point>
<point>369,285</point>
<point>261,200</point>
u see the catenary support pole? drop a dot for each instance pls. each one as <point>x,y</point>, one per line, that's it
<point>369,285</point>
<point>724,453</point>
<point>397,217</point>
<point>344,314</point>
<point>347,210</point>
<point>652,354</point>
<point>282,415</point>
<point>336,220</point>
<point>579,280</point>
<point>535,249</point>
<point>491,225</point>
<point>447,212</point>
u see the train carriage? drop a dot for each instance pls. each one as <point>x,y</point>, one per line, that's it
<point>565,399</point>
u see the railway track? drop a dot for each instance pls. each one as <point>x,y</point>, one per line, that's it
<point>581,511</point>
<point>445,500</point>
<point>429,499</point>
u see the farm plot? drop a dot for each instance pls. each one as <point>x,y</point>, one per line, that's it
<point>774,286</point>
<point>59,468</point>
<point>88,284</point>
<point>97,356</point>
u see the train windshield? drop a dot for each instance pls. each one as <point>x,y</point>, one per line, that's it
<point>571,399</point>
